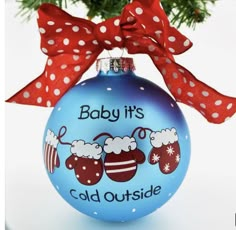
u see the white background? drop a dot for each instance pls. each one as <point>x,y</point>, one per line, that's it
<point>207,197</point>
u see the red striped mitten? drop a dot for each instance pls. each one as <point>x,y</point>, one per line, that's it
<point>166,150</point>
<point>51,158</point>
<point>122,158</point>
<point>86,162</point>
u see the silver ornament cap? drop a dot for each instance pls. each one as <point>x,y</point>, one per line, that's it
<point>115,64</point>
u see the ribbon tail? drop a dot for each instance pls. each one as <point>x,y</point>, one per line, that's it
<point>52,84</point>
<point>28,94</point>
<point>186,88</point>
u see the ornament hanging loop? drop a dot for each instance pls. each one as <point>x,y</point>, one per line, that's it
<point>115,50</point>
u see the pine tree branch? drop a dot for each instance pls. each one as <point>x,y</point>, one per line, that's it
<point>188,12</point>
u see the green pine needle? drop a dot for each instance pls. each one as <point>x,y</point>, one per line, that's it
<point>187,12</point>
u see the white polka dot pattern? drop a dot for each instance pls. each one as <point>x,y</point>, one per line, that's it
<point>73,44</point>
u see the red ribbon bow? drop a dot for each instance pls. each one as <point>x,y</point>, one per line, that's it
<point>72,45</point>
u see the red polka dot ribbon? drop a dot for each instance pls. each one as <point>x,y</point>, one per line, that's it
<point>73,44</point>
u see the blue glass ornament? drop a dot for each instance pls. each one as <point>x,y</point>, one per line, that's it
<point>116,146</point>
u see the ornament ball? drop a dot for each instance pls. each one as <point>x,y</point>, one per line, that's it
<point>116,147</point>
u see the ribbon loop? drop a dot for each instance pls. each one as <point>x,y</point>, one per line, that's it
<point>63,34</point>
<point>154,25</point>
<point>72,45</point>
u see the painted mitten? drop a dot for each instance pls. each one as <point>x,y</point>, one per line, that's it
<point>86,162</point>
<point>166,150</point>
<point>122,158</point>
